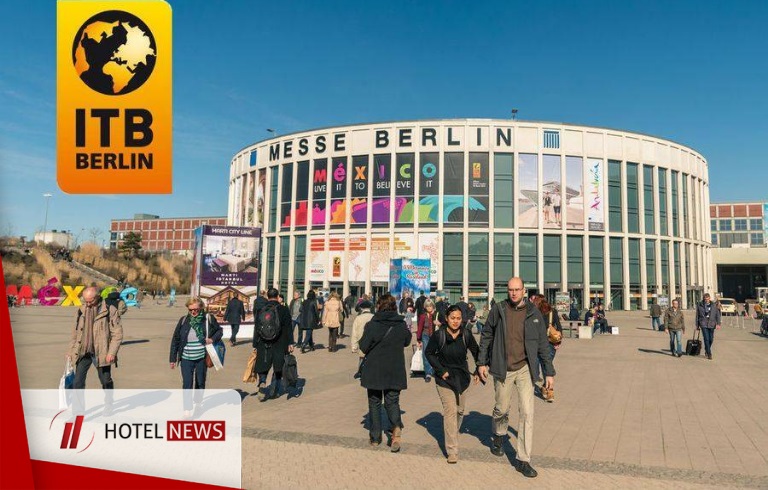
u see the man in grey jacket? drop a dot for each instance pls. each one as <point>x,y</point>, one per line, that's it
<point>707,319</point>
<point>512,340</point>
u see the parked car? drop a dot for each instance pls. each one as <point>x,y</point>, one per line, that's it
<point>727,306</point>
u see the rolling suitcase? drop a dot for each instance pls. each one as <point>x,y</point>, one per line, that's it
<point>693,346</point>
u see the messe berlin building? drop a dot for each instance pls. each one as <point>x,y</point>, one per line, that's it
<point>603,214</point>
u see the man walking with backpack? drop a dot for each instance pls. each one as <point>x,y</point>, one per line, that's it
<point>272,340</point>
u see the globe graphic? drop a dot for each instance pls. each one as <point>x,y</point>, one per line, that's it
<point>114,52</point>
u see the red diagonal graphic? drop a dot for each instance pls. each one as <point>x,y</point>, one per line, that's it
<point>76,432</point>
<point>65,436</point>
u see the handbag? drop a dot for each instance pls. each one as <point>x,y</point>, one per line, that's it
<point>417,361</point>
<point>214,357</point>
<point>66,382</point>
<point>249,376</point>
<point>553,334</point>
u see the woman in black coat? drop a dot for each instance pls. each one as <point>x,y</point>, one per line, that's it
<point>308,321</point>
<point>193,331</point>
<point>383,371</point>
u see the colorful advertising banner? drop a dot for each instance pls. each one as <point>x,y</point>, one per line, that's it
<point>382,184</point>
<point>261,191</point>
<point>429,247</point>
<point>287,195</point>
<point>359,204</point>
<point>250,196</point>
<point>318,259</point>
<point>408,276</point>
<point>226,265</point>
<point>528,200</point>
<point>299,216</point>
<point>339,191</point>
<point>429,187</point>
<point>551,199</point>
<point>404,187</point>
<point>380,258</point>
<point>358,259</point>
<point>596,200</point>
<point>319,191</point>
<point>478,189</point>
<point>574,193</point>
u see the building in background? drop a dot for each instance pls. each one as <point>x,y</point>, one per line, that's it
<point>739,255</point>
<point>158,234</point>
<point>607,215</point>
<point>61,238</point>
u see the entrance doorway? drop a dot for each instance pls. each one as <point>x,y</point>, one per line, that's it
<point>378,289</point>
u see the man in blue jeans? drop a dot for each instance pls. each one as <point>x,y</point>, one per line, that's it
<point>707,319</point>
<point>675,323</point>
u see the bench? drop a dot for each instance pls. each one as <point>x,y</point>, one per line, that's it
<point>571,325</point>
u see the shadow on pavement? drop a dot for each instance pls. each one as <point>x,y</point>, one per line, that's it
<point>664,352</point>
<point>138,341</point>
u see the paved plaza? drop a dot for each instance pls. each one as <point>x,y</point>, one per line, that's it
<point>627,414</point>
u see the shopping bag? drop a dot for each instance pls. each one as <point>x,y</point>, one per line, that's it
<point>221,351</point>
<point>211,350</point>
<point>248,375</point>
<point>417,362</point>
<point>65,383</point>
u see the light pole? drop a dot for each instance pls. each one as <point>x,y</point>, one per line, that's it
<point>47,197</point>
<point>514,114</point>
<point>274,132</point>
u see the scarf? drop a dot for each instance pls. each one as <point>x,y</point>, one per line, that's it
<point>196,322</point>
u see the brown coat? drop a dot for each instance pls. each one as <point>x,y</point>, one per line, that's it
<point>107,334</point>
<point>331,313</point>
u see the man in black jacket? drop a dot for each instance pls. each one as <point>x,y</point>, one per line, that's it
<point>271,354</point>
<point>234,314</point>
<point>514,336</point>
<point>420,304</point>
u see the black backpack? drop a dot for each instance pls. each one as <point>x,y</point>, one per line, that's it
<point>268,324</point>
<point>442,335</point>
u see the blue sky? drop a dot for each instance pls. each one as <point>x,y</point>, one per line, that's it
<point>690,71</point>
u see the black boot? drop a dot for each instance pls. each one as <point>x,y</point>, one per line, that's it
<point>497,445</point>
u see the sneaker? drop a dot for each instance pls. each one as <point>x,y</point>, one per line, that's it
<point>427,379</point>
<point>395,444</point>
<point>497,445</point>
<point>452,459</point>
<point>524,467</point>
<point>374,442</point>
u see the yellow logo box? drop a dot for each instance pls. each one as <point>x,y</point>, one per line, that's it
<point>113,97</point>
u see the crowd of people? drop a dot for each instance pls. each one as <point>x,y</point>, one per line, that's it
<point>514,348</point>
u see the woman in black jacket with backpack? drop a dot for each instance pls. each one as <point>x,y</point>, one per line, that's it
<point>383,369</point>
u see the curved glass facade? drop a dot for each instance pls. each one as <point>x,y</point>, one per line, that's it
<point>601,213</point>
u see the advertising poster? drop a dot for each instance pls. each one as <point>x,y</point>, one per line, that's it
<point>574,193</point>
<point>595,195</point>
<point>229,266</point>
<point>286,195</point>
<point>528,200</point>
<point>408,276</point>
<point>338,191</point>
<point>551,192</point>
<point>317,259</point>
<point>380,258</point>
<point>261,191</point>
<point>250,211</point>
<point>238,197</point>
<point>478,189</point>
<point>382,186</point>
<point>319,191</point>
<point>429,188</point>
<point>453,189</point>
<point>429,248</point>
<point>404,187</point>
<point>563,302</point>
<point>404,246</point>
<point>359,258</point>
<point>336,250</point>
<point>299,216</point>
<point>359,204</point>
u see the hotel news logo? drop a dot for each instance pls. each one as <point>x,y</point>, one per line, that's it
<point>70,437</point>
<point>114,97</point>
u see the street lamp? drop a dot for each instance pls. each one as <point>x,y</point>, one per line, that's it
<point>514,114</point>
<point>47,197</point>
<point>274,132</point>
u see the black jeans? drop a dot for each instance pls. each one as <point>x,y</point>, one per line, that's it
<point>193,376</point>
<point>333,335</point>
<point>235,329</point>
<point>391,405</point>
<point>81,371</point>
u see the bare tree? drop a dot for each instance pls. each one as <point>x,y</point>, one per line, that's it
<point>95,233</point>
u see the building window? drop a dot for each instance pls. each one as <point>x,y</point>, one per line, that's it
<point>551,139</point>
<point>286,197</point>
<point>757,239</point>
<point>648,204</point>
<point>684,217</point>
<point>714,239</point>
<point>617,262</point>
<point>552,259</point>
<point>503,186</point>
<point>634,262</point>
<point>272,199</point>
<point>285,259</point>
<point>633,198</point>
<point>678,269</point>
<point>756,224</point>
<point>725,225</point>
<point>650,263</point>
<point>529,258</point>
<point>740,225</point>
<point>478,259</point>
<point>575,254</point>
<point>675,214</point>
<point>713,225</point>
<point>453,258</point>
<point>665,265</point>
<point>503,263</point>
<point>596,266</point>
<point>663,224</point>
<point>614,195</point>
<point>300,262</point>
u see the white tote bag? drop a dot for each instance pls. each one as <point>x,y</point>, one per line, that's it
<point>417,362</point>
<point>64,383</point>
